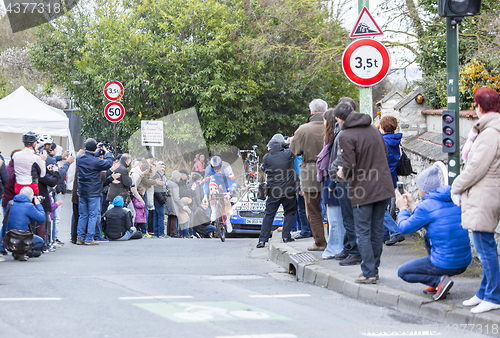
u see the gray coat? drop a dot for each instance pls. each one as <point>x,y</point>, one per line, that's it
<point>174,192</point>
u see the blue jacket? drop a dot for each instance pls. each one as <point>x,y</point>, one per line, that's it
<point>392,142</point>
<point>450,243</point>
<point>23,211</point>
<point>89,173</point>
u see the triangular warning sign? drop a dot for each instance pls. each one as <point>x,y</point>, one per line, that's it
<point>365,26</point>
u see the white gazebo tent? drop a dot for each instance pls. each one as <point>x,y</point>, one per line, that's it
<point>21,112</point>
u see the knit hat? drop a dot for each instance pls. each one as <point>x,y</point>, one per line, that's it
<point>176,176</point>
<point>91,145</point>
<point>213,184</point>
<point>184,171</point>
<point>118,201</point>
<point>428,179</point>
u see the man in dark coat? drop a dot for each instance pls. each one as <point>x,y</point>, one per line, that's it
<point>364,166</point>
<point>117,222</point>
<point>282,184</point>
<point>89,190</point>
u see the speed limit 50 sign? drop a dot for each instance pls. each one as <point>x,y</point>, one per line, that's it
<point>366,62</point>
<point>114,111</point>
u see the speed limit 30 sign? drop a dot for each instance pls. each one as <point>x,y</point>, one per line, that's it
<point>366,62</point>
<point>114,111</point>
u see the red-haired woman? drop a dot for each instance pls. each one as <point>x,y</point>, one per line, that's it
<point>480,196</point>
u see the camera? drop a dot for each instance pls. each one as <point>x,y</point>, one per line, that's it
<point>40,198</point>
<point>401,188</point>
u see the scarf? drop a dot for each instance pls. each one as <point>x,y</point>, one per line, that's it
<point>323,161</point>
<point>468,145</point>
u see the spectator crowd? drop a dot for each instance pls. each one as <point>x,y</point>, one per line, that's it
<point>337,168</point>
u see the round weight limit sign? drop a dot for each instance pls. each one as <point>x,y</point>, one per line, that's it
<point>114,111</point>
<point>366,62</point>
<point>113,90</point>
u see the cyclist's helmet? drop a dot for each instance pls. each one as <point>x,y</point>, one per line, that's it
<point>29,137</point>
<point>216,162</point>
<point>45,139</point>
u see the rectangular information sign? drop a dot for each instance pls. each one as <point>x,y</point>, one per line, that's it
<point>152,133</point>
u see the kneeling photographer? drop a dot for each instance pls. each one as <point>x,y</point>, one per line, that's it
<point>20,213</point>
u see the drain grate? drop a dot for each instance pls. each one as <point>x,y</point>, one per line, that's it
<point>303,257</point>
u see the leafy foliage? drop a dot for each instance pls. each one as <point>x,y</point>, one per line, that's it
<point>249,68</point>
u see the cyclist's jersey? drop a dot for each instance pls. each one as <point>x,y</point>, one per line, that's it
<point>23,161</point>
<point>225,178</point>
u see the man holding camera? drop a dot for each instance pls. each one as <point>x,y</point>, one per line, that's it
<point>23,211</point>
<point>89,167</point>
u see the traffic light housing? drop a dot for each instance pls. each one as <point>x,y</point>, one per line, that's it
<point>449,131</point>
<point>458,8</point>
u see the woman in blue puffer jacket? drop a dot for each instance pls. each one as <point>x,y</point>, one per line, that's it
<point>447,243</point>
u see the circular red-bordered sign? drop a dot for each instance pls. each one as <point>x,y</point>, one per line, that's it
<point>366,62</point>
<point>113,90</point>
<point>114,111</point>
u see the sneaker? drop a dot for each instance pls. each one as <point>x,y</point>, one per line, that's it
<point>443,288</point>
<point>351,260</point>
<point>229,226</point>
<point>19,257</point>
<point>1,258</point>
<point>5,253</point>
<point>474,301</point>
<point>91,243</point>
<point>429,289</point>
<point>146,235</point>
<point>395,239</point>
<point>485,306</point>
<point>365,280</point>
<point>343,255</point>
<point>59,242</point>
<point>34,253</point>
<point>376,276</point>
<point>80,241</point>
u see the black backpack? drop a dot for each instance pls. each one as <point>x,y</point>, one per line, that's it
<point>404,165</point>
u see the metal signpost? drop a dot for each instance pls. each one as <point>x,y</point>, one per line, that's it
<point>114,111</point>
<point>152,134</point>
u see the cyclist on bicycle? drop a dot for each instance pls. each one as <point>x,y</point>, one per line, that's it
<point>220,173</point>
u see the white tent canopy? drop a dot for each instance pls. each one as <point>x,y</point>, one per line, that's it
<point>21,112</point>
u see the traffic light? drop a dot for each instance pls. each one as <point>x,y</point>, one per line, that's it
<point>458,8</point>
<point>449,131</point>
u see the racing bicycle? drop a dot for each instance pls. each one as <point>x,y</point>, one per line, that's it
<point>251,167</point>
<point>220,221</point>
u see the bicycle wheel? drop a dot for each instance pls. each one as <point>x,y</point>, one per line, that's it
<point>221,230</point>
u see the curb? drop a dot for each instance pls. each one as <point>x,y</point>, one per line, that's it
<point>312,272</point>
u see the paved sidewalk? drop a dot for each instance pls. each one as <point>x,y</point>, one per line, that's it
<point>390,291</point>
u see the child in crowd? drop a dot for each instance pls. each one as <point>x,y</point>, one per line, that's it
<point>183,218</point>
<point>140,213</point>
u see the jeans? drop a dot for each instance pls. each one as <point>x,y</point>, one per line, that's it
<point>57,217</point>
<point>313,212</point>
<point>390,227</point>
<point>89,211</point>
<point>184,229</point>
<point>300,221</point>
<point>421,270</point>
<point>337,231</point>
<point>350,243</point>
<point>98,226</point>
<point>127,235</point>
<point>486,248</point>
<point>272,205</point>
<point>159,219</point>
<point>369,223</point>
<point>37,243</point>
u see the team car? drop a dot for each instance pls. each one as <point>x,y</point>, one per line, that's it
<point>248,211</point>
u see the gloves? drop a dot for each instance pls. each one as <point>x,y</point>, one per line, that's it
<point>456,198</point>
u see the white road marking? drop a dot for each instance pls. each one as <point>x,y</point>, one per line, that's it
<point>280,296</point>
<point>235,277</point>
<point>155,297</point>
<point>16,299</point>
<point>270,335</point>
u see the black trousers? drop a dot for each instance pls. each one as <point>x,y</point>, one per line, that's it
<point>272,205</point>
<point>74,222</point>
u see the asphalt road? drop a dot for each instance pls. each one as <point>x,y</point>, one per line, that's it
<point>182,288</point>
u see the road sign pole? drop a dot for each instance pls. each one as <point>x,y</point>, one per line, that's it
<point>453,94</point>
<point>365,93</point>
<point>114,129</point>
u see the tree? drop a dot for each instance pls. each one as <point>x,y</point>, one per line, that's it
<point>415,27</point>
<point>249,69</point>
